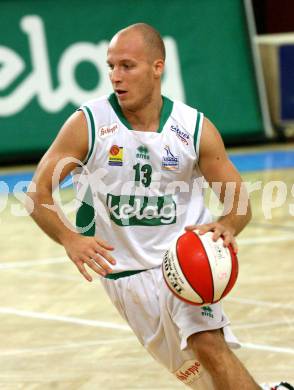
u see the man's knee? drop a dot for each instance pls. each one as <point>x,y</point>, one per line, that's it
<point>210,346</point>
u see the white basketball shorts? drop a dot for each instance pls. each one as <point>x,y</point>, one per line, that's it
<point>163,323</point>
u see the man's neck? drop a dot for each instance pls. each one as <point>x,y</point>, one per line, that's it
<point>147,118</point>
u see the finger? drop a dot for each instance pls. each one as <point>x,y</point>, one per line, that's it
<point>202,229</point>
<point>191,227</point>
<point>97,259</point>
<point>83,271</point>
<point>97,267</point>
<point>216,234</point>
<point>199,229</point>
<point>235,246</point>
<point>104,253</point>
<point>104,244</point>
<point>228,238</point>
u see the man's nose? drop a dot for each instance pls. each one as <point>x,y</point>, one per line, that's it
<point>115,75</point>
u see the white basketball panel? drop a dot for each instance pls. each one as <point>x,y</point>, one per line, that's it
<point>175,277</point>
<point>220,263</point>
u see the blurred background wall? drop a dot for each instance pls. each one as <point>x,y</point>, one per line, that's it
<point>275,40</point>
<point>274,16</point>
<point>52,59</point>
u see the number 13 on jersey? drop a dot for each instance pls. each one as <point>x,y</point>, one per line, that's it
<point>143,174</point>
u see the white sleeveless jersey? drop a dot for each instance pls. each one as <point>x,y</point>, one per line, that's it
<point>138,190</point>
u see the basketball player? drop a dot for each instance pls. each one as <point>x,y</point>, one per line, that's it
<point>142,154</point>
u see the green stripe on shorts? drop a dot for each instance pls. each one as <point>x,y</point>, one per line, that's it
<point>123,274</point>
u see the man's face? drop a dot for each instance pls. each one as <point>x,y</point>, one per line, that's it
<point>132,73</point>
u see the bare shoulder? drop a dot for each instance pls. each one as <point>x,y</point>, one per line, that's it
<point>214,162</point>
<point>211,143</point>
<point>69,148</point>
<point>72,138</point>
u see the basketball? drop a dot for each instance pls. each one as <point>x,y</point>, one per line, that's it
<point>198,270</point>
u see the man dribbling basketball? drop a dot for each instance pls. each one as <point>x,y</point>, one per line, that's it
<point>139,145</point>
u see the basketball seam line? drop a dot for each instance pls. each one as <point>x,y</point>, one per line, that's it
<point>231,275</point>
<point>185,274</point>
<point>211,276</point>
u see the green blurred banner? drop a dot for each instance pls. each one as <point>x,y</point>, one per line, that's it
<point>52,58</point>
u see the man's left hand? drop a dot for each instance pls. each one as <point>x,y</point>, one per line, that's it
<point>219,230</point>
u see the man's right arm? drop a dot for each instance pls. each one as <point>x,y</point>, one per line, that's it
<point>71,143</point>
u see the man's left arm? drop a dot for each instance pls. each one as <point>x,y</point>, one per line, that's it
<point>216,167</point>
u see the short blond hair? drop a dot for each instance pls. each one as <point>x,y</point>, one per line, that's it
<point>151,37</point>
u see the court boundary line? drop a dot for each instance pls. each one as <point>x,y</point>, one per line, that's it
<point>256,302</point>
<point>54,275</point>
<point>63,347</point>
<point>66,319</point>
<point>72,345</point>
<point>252,325</point>
<point>269,348</point>
<point>270,226</point>
<point>109,325</point>
<point>263,240</point>
<point>29,263</point>
<point>64,259</point>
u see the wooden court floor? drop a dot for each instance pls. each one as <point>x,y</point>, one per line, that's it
<point>60,332</point>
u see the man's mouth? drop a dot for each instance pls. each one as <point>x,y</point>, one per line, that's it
<point>120,92</point>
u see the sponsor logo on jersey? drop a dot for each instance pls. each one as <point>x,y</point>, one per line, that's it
<point>207,312</point>
<point>182,135</point>
<point>106,131</point>
<point>170,162</point>
<point>143,152</point>
<point>189,372</point>
<point>130,210</point>
<point>115,155</point>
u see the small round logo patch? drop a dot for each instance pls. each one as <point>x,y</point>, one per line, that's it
<point>114,150</point>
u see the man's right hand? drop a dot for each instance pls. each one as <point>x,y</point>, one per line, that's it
<point>92,251</point>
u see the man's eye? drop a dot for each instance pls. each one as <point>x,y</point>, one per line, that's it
<point>110,66</point>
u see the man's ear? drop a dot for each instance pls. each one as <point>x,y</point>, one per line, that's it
<point>158,68</point>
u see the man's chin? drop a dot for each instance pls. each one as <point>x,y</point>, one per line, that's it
<point>130,104</point>
<point>127,105</point>
<point>123,100</point>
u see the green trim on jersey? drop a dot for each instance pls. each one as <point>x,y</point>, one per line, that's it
<point>167,107</point>
<point>123,274</point>
<point>85,218</point>
<point>93,132</point>
<point>197,126</point>
<point>117,108</point>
